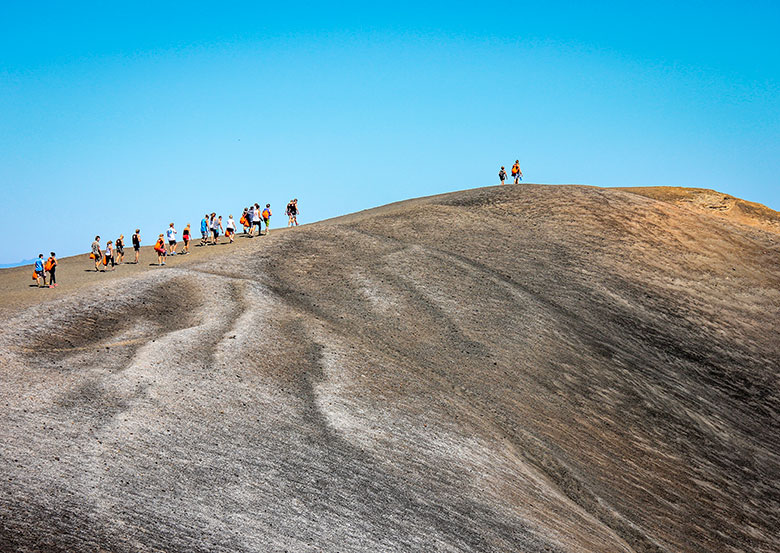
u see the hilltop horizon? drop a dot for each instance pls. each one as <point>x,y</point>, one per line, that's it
<point>686,197</point>
<point>532,368</point>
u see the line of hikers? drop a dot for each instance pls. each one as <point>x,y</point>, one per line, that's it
<point>517,174</point>
<point>211,227</point>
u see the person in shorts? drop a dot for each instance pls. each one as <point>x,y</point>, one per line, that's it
<point>267,217</point>
<point>137,244</point>
<point>517,174</point>
<point>186,236</point>
<point>502,175</point>
<point>216,226</point>
<point>204,230</point>
<point>96,254</point>
<point>230,228</point>
<point>40,274</point>
<point>171,235</point>
<point>120,248</point>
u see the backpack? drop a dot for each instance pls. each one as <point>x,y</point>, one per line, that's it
<point>502,174</point>
<point>48,265</point>
<point>515,170</point>
<point>266,213</point>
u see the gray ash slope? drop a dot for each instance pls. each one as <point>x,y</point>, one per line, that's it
<point>505,369</point>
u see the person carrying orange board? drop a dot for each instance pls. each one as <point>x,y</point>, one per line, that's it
<point>51,267</point>
<point>230,228</point>
<point>159,247</point>
<point>96,254</point>
<point>109,255</point>
<point>244,220</point>
<point>502,175</point>
<point>267,217</point>
<point>517,174</point>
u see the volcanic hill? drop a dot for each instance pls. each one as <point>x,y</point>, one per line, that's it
<point>520,368</point>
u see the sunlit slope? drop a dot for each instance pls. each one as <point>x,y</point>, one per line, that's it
<point>523,368</point>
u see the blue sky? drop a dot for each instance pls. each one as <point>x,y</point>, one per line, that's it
<point>117,117</point>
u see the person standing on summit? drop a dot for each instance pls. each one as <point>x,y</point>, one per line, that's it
<point>517,174</point>
<point>502,175</point>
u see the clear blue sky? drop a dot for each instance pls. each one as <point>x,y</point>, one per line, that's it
<point>117,115</point>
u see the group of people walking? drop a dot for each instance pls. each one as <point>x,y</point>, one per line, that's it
<point>517,174</point>
<point>42,267</point>
<point>114,252</point>
<point>107,257</point>
<point>254,217</point>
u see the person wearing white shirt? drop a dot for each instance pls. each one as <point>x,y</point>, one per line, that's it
<point>171,235</point>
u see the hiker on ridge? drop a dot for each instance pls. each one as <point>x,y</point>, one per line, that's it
<point>171,234</point>
<point>255,212</point>
<point>502,175</point>
<point>109,256</point>
<point>51,266</point>
<point>244,220</point>
<point>96,254</point>
<point>137,243</point>
<point>204,229</point>
<point>120,248</point>
<point>186,236</point>
<point>39,271</point>
<point>292,213</point>
<point>230,228</point>
<point>159,247</point>
<point>267,217</point>
<point>517,174</point>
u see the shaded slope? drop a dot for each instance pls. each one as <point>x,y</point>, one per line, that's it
<point>505,369</point>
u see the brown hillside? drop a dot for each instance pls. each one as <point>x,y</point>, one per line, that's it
<point>520,368</point>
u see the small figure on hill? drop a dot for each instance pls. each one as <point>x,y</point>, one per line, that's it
<point>96,254</point>
<point>120,249</point>
<point>292,213</point>
<point>244,220</point>
<point>159,247</point>
<point>51,266</point>
<point>517,174</point>
<point>204,229</point>
<point>216,227</point>
<point>40,274</point>
<point>171,234</point>
<point>502,175</point>
<point>230,228</point>
<point>186,236</point>
<point>137,243</point>
<point>254,211</point>
<point>108,256</point>
<point>267,217</point>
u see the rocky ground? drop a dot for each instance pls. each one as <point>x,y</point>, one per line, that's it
<point>519,368</point>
